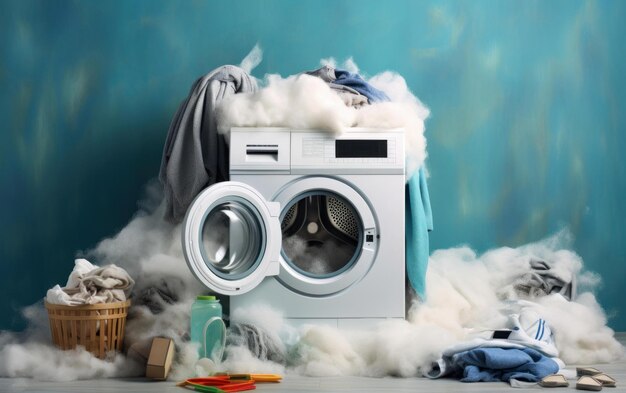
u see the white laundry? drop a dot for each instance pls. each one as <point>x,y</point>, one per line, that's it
<point>81,268</point>
<point>536,335</point>
<point>90,284</point>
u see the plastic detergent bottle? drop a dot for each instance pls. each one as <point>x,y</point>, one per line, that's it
<point>208,328</point>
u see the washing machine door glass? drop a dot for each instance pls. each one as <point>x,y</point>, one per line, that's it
<point>232,239</point>
<point>322,234</point>
<point>229,238</point>
<point>329,236</point>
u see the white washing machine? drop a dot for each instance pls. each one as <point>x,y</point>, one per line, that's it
<point>311,224</point>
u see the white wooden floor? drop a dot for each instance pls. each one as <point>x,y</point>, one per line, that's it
<point>297,384</point>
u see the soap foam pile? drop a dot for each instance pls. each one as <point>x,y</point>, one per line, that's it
<point>307,102</point>
<point>30,355</point>
<point>150,249</point>
<point>467,293</point>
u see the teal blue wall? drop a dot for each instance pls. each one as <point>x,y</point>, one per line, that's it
<point>526,134</point>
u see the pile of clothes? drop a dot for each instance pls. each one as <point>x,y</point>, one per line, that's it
<point>91,284</point>
<point>523,352</point>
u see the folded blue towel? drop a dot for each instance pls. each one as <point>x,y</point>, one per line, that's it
<point>355,81</point>
<point>501,364</point>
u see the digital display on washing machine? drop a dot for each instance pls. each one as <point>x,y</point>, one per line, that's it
<point>361,148</point>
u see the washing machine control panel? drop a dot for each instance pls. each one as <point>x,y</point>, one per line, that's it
<point>350,152</point>
<point>354,151</point>
<point>335,151</point>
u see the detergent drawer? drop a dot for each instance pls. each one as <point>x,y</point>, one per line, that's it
<point>265,150</point>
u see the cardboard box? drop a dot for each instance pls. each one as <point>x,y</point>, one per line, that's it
<point>160,358</point>
<point>140,351</point>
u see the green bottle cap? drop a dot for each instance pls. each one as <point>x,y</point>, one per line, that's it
<point>205,298</point>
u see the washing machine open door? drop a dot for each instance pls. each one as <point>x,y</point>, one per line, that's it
<point>232,238</point>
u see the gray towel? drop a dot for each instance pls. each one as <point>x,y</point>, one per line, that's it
<point>195,155</point>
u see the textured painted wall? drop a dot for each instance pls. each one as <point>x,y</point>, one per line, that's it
<point>527,97</point>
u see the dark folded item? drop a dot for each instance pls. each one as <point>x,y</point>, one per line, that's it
<point>543,280</point>
<point>350,96</point>
<point>357,83</point>
<point>261,344</point>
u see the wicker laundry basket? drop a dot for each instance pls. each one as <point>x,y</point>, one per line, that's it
<point>97,327</point>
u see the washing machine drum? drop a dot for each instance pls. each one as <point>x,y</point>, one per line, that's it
<point>320,234</point>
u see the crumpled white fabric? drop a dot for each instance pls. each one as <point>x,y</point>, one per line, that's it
<point>91,284</point>
<point>81,268</point>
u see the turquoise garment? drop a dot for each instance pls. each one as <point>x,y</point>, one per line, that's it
<point>418,222</point>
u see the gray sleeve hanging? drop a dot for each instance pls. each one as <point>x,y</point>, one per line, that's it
<point>195,155</point>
